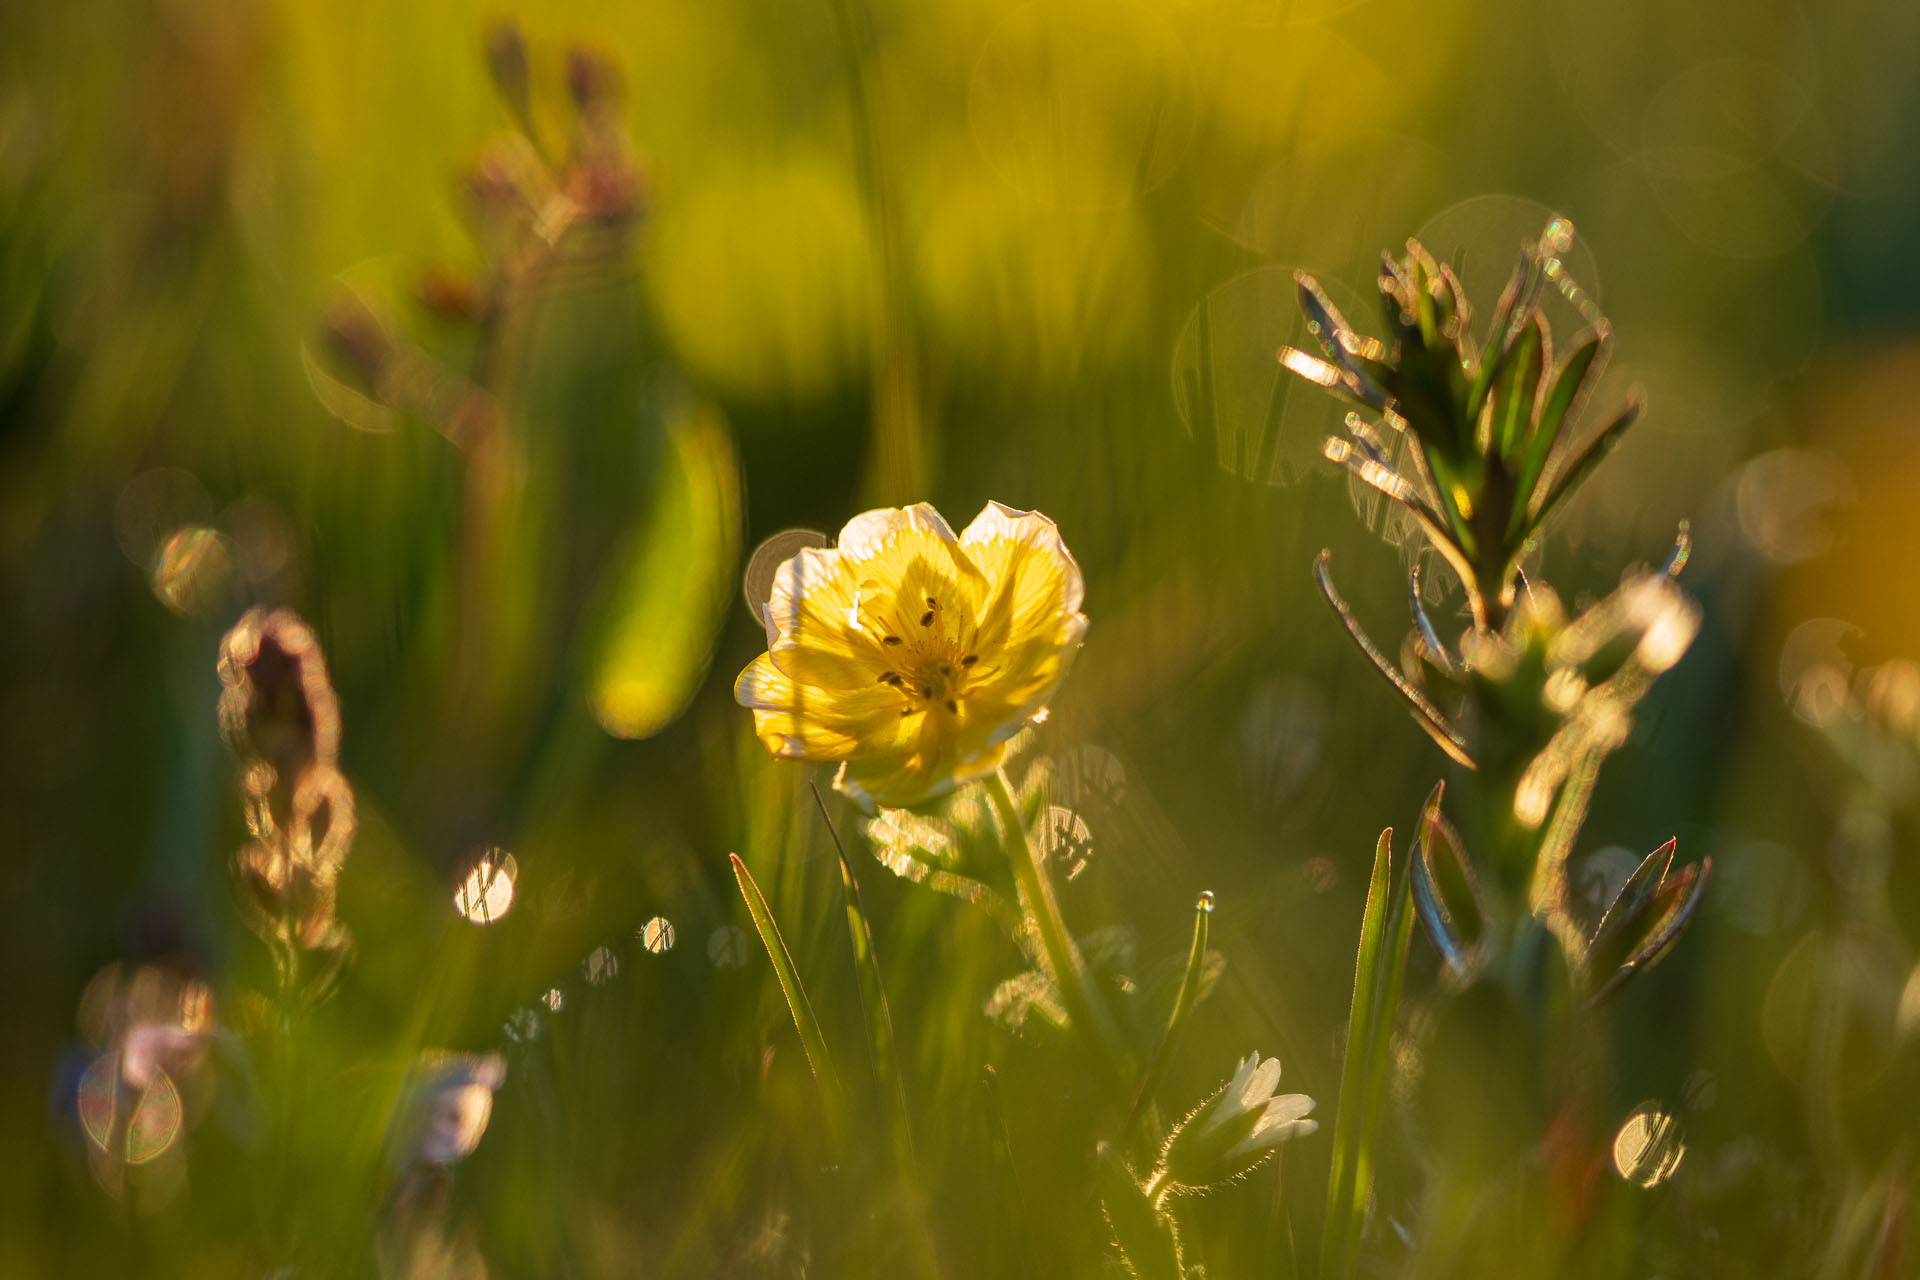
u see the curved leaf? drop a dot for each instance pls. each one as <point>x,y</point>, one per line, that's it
<point>1570,386</point>
<point>666,592</point>
<point>1429,716</point>
<point>1446,892</point>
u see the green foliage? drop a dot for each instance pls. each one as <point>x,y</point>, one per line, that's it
<point>491,351</point>
<point>812,1040</point>
<point>1366,1065</point>
<point>668,584</point>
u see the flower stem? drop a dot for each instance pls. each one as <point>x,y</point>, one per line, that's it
<point>1089,1016</point>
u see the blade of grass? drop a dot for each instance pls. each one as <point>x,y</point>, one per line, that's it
<point>1182,1006</point>
<point>873,1000</point>
<point>812,1042</point>
<point>1385,928</point>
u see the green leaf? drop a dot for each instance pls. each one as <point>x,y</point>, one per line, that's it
<point>1385,928</point>
<point>1425,713</point>
<point>667,589</point>
<point>1577,469</point>
<point>812,1041</point>
<point>1498,332</point>
<point>1361,376</point>
<point>1611,941</point>
<point>1671,906</point>
<point>1183,1004</point>
<point>1517,387</point>
<point>1570,386</point>
<point>1446,892</point>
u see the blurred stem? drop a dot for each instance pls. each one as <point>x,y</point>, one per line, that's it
<point>873,1000</point>
<point>1182,1006</point>
<point>899,466</point>
<point>1091,1021</point>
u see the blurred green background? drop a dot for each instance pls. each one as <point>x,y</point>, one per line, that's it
<point>860,252</point>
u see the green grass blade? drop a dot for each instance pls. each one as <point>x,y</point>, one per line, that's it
<point>1378,970</point>
<point>1182,1006</point>
<point>873,1000</point>
<point>812,1042</point>
<point>1380,1053</point>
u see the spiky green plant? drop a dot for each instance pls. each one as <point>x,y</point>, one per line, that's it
<point>1475,438</point>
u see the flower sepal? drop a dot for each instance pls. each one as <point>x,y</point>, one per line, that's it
<point>1148,1242</point>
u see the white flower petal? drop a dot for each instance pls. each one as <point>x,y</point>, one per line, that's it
<point>1265,1137</point>
<point>1285,1109</point>
<point>1259,1086</point>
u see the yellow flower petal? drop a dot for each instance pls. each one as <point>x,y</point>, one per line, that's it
<point>799,722</point>
<point>832,610</point>
<point>902,782</point>
<point>911,655</point>
<point>1034,587</point>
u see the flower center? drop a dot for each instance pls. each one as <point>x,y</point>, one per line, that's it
<point>925,659</point>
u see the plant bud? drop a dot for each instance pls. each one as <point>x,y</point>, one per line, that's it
<point>1235,1129</point>
<point>507,62</point>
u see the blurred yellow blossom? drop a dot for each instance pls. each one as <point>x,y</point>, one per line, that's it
<point>911,656</point>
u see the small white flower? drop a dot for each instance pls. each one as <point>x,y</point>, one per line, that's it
<point>1236,1128</point>
<point>447,1109</point>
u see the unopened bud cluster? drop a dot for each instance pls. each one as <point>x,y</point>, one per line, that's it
<point>279,714</point>
<point>541,216</point>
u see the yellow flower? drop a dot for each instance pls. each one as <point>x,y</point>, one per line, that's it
<point>911,656</point>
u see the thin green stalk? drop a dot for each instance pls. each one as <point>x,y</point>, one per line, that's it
<point>873,1000</point>
<point>1089,1016</point>
<point>1385,928</point>
<point>900,451</point>
<point>1182,1006</point>
<point>812,1041</point>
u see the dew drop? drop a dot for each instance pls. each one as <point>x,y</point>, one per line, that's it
<point>728,947</point>
<point>193,570</point>
<point>487,892</point>
<point>1320,873</point>
<point>1648,1147</point>
<point>657,935</point>
<point>1701,1090</point>
<point>1204,902</point>
<point>601,966</point>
